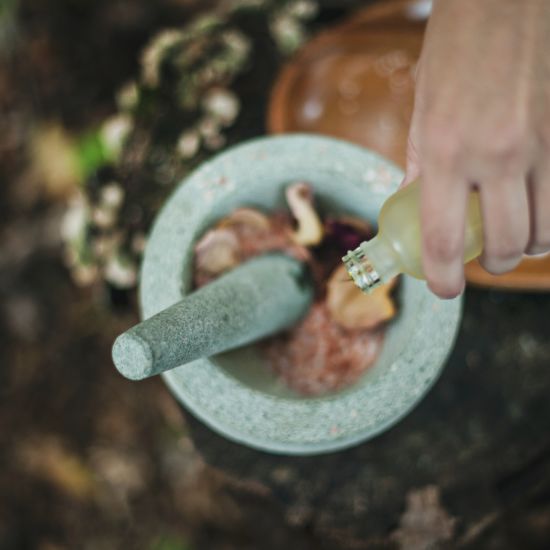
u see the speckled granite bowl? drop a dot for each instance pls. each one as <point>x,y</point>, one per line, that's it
<point>235,393</point>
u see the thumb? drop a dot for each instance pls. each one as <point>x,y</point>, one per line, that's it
<point>412,167</point>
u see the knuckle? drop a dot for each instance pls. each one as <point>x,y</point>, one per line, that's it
<point>441,140</point>
<point>506,145</point>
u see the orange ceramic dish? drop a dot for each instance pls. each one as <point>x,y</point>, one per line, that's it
<point>356,82</point>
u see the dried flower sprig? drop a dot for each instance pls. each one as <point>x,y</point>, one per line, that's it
<point>172,117</point>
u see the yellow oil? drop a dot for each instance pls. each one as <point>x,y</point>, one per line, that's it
<point>399,224</point>
<point>397,246</point>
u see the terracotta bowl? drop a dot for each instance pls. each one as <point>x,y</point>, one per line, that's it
<point>356,82</point>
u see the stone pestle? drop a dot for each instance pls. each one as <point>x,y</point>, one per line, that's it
<point>260,297</point>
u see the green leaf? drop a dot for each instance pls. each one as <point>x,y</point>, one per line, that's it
<point>91,153</point>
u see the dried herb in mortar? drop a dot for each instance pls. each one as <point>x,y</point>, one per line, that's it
<point>342,334</point>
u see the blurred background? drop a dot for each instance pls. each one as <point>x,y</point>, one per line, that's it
<point>105,104</point>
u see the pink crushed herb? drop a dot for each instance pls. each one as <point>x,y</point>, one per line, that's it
<point>341,335</point>
<point>319,356</point>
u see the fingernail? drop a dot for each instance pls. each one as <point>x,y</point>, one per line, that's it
<point>449,283</point>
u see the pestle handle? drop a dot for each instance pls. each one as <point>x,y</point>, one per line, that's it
<point>256,299</point>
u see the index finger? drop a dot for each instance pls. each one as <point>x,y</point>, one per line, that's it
<point>443,204</point>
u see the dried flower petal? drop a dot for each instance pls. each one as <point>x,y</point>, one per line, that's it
<point>154,54</point>
<point>354,309</point>
<point>222,104</point>
<point>300,201</point>
<point>247,216</point>
<point>241,235</point>
<point>303,9</point>
<point>121,272</point>
<point>287,32</point>
<point>348,232</point>
<point>216,252</point>
<point>238,43</point>
<point>188,144</point>
<point>114,132</point>
<point>112,195</point>
<point>104,217</point>
<point>75,219</point>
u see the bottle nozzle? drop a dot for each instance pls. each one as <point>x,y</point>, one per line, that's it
<point>361,270</point>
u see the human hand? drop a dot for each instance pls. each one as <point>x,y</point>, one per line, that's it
<point>482,119</point>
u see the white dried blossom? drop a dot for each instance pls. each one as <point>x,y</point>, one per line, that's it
<point>112,195</point>
<point>303,9</point>
<point>209,127</point>
<point>204,24</point>
<point>75,220</point>
<point>237,42</point>
<point>103,217</point>
<point>114,132</point>
<point>154,53</point>
<point>188,144</point>
<point>120,272</point>
<point>127,96</point>
<point>287,32</point>
<point>222,104</point>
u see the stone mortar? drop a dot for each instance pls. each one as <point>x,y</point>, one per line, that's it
<point>235,393</point>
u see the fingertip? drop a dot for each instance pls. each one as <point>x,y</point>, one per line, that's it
<point>443,218</point>
<point>496,266</point>
<point>447,287</point>
<point>506,224</point>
